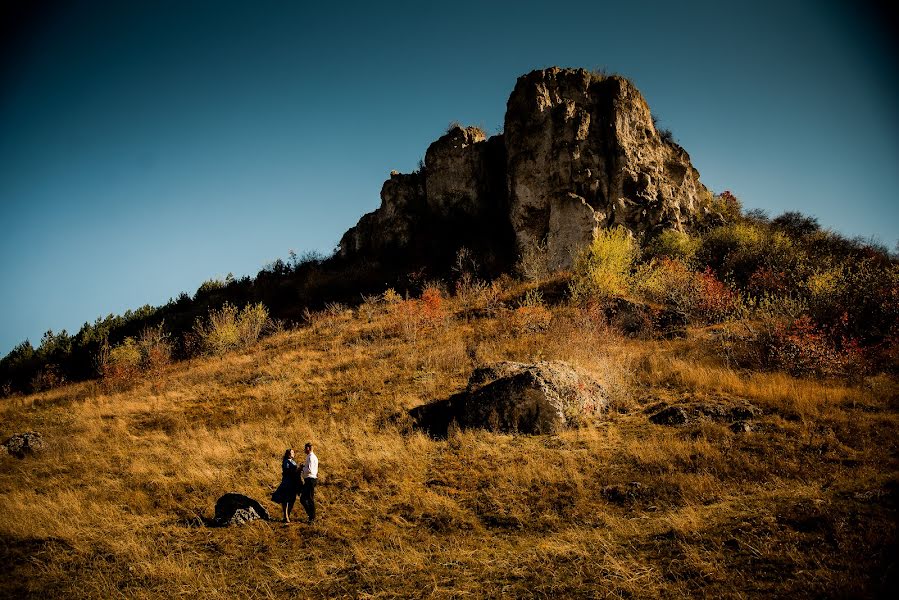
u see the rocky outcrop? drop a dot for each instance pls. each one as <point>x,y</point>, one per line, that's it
<point>21,445</point>
<point>584,153</point>
<point>580,151</point>
<point>539,398</point>
<point>236,509</point>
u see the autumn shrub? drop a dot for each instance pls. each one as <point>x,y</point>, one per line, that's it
<point>228,328</point>
<point>413,316</point>
<point>602,269</point>
<point>722,208</point>
<point>803,347</point>
<point>155,348</point>
<point>531,314</point>
<point>700,296</point>
<point>121,361</point>
<point>768,281</point>
<point>863,296</point>
<point>714,300</point>
<point>673,244</point>
<point>739,250</point>
<point>667,281</point>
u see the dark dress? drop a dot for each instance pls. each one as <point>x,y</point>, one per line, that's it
<point>287,491</point>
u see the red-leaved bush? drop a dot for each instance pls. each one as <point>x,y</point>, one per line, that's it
<point>803,347</point>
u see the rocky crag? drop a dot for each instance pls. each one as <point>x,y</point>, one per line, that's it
<point>579,152</point>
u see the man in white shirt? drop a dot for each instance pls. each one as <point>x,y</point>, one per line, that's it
<point>309,476</point>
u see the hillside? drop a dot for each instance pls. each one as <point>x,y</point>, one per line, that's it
<point>725,423</point>
<point>801,505</point>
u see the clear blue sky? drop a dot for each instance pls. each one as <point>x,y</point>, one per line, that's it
<point>146,146</point>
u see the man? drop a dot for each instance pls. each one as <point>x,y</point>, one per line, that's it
<point>309,476</point>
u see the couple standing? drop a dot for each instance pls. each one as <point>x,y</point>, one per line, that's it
<point>293,482</point>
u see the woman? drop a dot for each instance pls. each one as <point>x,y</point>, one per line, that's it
<point>286,494</point>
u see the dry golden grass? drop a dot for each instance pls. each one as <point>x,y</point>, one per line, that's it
<point>803,507</point>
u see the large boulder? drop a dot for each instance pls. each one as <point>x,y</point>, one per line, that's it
<point>21,445</point>
<point>545,397</point>
<point>236,509</point>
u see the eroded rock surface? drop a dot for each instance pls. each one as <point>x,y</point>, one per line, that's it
<point>584,153</point>
<point>580,151</point>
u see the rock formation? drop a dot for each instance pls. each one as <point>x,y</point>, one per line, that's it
<point>580,152</point>
<point>539,398</point>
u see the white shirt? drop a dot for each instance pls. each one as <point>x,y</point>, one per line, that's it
<point>310,467</point>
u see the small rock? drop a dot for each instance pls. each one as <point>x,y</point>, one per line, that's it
<point>242,516</point>
<point>622,493</point>
<point>741,427</point>
<point>22,444</point>
<point>673,415</point>
<point>228,506</point>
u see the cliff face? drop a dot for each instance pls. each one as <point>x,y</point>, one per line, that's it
<point>579,152</point>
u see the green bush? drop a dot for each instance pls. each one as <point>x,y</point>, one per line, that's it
<point>673,244</point>
<point>602,270</point>
<point>122,361</point>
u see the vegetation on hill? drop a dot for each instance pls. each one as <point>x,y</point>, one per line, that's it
<point>809,300</point>
<point>802,505</point>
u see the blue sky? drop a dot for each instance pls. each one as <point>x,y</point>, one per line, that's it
<point>147,146</point>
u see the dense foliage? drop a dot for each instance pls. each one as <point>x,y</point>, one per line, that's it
<point>812,300</point>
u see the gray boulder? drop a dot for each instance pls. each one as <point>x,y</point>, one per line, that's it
<point>228,506</point>
<point>23,444</point>
<point>545,397</point>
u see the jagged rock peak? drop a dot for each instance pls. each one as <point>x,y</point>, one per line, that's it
<point>580,151</point>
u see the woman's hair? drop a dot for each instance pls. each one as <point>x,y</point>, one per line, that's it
<point>287,452</point>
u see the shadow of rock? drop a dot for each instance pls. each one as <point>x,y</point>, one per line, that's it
<point>435,418</point>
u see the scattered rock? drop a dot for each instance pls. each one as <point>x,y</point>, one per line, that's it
<point>23,444</point>
<point>673,415</point>
<point>623,493</point>
<point>227,507</point>
<point>741,427</point>
<point>543,397</point>
<point>737,413</point>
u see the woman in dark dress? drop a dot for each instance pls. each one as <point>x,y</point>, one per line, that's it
<point>286,494</point>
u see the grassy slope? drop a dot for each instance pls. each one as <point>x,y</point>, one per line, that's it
<point>805,508</point>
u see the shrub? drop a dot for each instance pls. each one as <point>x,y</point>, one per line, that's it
<point>533,264</point>
<point>714,300</point>
<point>229,328</point>
<point>602,269</point>
<point>803,347</point>
<point>251,321</point>
<point>673,244</point>
<point>413,316</point>
<point>739,250</point>
<point>154,347</point>
<point>700,296</point>
<point>796,224</point>
<point>122,361</point>
<point>667,281</point>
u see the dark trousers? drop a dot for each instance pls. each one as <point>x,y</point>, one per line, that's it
<point>307,497</point>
